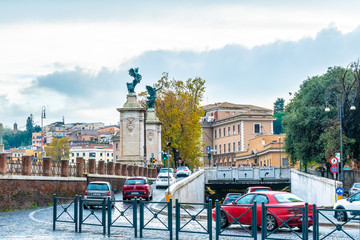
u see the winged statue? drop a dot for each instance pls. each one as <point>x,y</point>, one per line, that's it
<point>137,78</point>
<point>152,92</point>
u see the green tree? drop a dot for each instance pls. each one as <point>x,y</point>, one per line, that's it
<point>55,149</point>
<point>309,129</point>
<point>178,107</point>
<point>279,106</point>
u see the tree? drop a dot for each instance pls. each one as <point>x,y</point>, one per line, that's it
<point>30,124</point>
<point>309,129</point>
<point>278,114</point>
<point>178,107</point>
<point>55,149</point>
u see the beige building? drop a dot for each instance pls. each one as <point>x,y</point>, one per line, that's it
<point>264,151</point>
<point>98,152</point>
<point>228,128</point>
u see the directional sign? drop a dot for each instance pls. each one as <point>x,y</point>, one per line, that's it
<point>267,172</point>
<point>339,191</point>
<point>208,148</point>
<point>334,169</point>
<point>224,173</point>
<point>245,173</point>
<point>334,161</point>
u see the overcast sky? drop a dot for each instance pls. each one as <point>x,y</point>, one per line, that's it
<point>73,56</point>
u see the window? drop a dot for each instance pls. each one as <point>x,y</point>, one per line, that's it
<point>224,132</point>
<point>219,133</point>
<point>246,199</point>
<point>72,154</point>
<point>234,129</point>
<point>239,146</point>
<point>228,147</point>
<point>238,128</point>
<point>215,133</point>
<point>261,199</point>
<point>117,146</point>
<point>233,146</point>
<point>92,154</point>
<point>257,128</point>
<point>83,154</point>
<point>215,149</point>
<point>77,154</point>
<point>107,154</point>
<point>100,154</point>
<point>224,148</point>
<point>220,149</point>
<point>228,131</point>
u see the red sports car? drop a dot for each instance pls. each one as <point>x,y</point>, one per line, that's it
<point>137,187</point>
<point>270,198</point>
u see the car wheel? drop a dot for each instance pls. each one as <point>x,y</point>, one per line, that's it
<point>224,222</point>
<point>271,223</point>
<point>341,216</point>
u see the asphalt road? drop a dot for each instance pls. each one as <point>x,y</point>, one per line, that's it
<point>37,224</point>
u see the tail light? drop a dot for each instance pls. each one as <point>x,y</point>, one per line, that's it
<point>85,193</point>
<point>124,188</point>
<point>108,193</point>
<point>146,186</point>
<point>354,189</point>
<point>227,198</point>
<point>186,170</point>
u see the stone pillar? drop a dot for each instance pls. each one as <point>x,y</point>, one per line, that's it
<point>124,171</point>
<point>92,166</point>
<point>136,170</point>
<point>110,168</point>
<point>26,165</point>
<point>3,163</point>
<point>101,167</point>
<point>146,172</point>
<point>79,166</point>
<point>47,163</point>
<point>117,168</point>
<point>141,171</point>
<point>130,170</point>
<point>64,167</point>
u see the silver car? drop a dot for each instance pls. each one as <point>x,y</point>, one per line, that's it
<point>354,189</point>
<point>98,191</point>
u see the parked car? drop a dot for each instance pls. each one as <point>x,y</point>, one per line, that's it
<point>350,203</point>
<point>163,180</point>
<point>231,197</point>
<point>257,189</point>
<point>354,189</point>
<point>183,171</point>
<point>237,210</point>
<point>139,187</point>
<point>98,191</point>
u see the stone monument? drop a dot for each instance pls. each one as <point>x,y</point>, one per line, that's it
<point>153,128</point>
<point>132,126</point>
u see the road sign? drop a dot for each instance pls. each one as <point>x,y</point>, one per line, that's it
<point>267,172</point>
<point>208,148</point>
<point>180,161</point>
<point>339,191</point>
<point>245,173</point>
<point>334,161</point>
<point>224,173</point>
<point>337,155</point>
<point>334,169</point>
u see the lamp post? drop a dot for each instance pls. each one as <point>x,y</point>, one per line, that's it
<point>340,100</point>
<point>43,115</point>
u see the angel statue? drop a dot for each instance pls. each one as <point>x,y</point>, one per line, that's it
<point>137,78</point>
<point>152,92</point>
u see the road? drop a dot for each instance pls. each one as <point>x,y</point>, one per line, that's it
<point>37,224</point>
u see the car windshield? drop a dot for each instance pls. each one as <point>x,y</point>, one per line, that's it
<point>262,189</point>
<point>234,195</point>
<point>97,186</point>
<point>357,185</point>
<point>287,198</point>
<point>182,168</point>
<point>135,181</point>
<point>165,170</point>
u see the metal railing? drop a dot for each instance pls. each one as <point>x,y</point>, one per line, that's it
<point>205,207</point>
<point>14,166</point>
<point>92,218</point>
<point>65,215</point>
<point>36,168</point>
<point>121,218</point>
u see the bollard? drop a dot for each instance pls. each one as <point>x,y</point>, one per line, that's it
<point>117,168</point>
<point>47,163</point>
<point>26,165</point>
<point>79,166</point>
<point>130,170</point>
<point>92,166</point>
<point>64,167</point>
<point>110,168</point>
<point>124,171</point>
<point>3,163</point>
<point>101,168</point>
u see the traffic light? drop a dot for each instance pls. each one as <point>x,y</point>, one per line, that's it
<point>153,160</point>
<point>164,156</point>
<point>209,156</point>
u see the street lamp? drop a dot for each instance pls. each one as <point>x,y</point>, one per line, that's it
<point>340,100</point>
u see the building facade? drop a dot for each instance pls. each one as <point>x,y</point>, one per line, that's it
<point>227,129</point>
<point>99,152</point>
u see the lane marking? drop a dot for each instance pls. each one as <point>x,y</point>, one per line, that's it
<point>31,216</point>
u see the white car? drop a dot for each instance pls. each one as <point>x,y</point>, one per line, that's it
<point>350,203</point>
<point>183,171</point>
<point>163,180</point>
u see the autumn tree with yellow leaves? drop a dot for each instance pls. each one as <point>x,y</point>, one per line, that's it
<point>55,149</point>
<point>178,107</point>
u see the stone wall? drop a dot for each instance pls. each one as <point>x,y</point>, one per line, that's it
<point>313,189</point>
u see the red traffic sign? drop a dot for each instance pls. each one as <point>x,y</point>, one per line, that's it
<point>334,169</point>
<point>334,161</point>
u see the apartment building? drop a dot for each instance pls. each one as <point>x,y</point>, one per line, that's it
<point>98,152</point>
<point>227,129</point>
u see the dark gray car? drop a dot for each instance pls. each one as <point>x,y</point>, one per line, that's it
<point>98,191</point>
